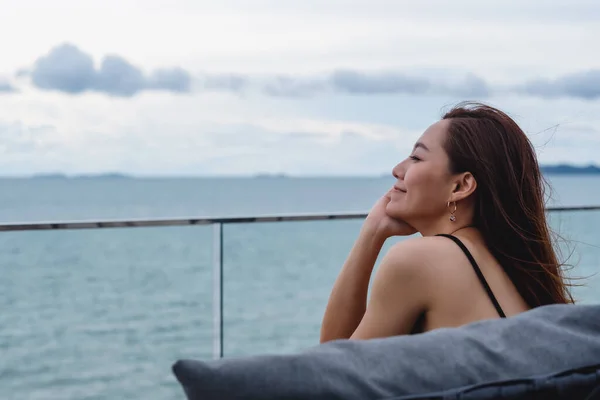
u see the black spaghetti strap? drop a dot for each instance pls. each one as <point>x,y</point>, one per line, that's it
<point>477,271</point>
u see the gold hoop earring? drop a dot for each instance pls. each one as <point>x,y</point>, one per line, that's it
<point>452,216</point>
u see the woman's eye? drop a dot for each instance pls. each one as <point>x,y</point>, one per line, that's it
<point>415,158</point>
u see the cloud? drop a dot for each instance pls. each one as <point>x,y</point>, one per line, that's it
<point>226,82</point>
<point>168,136</point>
<point>583,85</point>
<point>6,87</point>
<point>289,86</point>
<point>67,69</point>
<point>217,145</point>
<point>356,82</point>
<point>470,86</point>
<point>352,82</point>
<point>316,148</point>
<point>17,138</point>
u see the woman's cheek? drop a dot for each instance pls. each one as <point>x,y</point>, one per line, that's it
<point>411,180</point>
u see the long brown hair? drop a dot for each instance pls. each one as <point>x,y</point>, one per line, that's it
<point>509,204</point>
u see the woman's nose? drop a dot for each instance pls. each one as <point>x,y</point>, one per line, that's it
<point>398,171</point>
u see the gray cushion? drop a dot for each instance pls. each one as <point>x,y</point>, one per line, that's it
<point>572,384</point>
<point>541,341</point>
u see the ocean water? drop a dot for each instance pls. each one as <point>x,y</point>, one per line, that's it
<point>103,314</point>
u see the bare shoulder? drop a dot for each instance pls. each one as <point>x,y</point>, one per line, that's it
<point>421,253</point>
<point>402,288</point>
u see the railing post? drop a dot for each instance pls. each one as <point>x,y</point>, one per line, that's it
<point>218,290</point>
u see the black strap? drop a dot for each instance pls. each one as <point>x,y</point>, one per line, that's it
<point>477,271</point>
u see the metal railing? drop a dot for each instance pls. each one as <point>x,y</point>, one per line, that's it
<point>217,223</point>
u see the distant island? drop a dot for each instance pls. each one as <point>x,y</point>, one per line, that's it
<point>558,169</point>
<point>270,176</point>
<point>565,169</point>
<point>112,175</point>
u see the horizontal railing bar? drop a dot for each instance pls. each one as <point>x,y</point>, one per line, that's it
<point>26,226</point>
<point>67,225</point>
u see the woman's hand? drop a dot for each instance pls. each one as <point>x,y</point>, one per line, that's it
<point>379,223</point>
<point>348,300</point>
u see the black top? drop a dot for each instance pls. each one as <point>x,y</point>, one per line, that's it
<point>477,271</point>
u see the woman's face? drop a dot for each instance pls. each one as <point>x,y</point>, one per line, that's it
<point>423,181</point>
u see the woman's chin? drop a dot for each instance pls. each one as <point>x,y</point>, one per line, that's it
<point>395,211</point>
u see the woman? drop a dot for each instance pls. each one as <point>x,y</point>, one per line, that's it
<point>473,189</point>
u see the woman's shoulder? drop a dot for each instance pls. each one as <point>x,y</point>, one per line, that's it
<point>421,248</point>
<point>424,253</point>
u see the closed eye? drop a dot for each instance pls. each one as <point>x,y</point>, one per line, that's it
<point>415,158</point>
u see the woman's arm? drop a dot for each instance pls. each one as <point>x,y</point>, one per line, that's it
<point>398,297</point>
<point>348,300</point>
<point>400,292</point>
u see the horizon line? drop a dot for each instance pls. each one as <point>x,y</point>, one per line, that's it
<point>550,169</point>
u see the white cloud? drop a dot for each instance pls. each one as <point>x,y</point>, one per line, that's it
<point>68,69</point>
<point>202,135</point>
<point>493,38</point>
<point>502,42</point>
<point>225,134</point>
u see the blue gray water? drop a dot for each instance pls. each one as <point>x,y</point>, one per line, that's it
<point>102,314</point>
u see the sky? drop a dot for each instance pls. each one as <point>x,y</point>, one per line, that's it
<point>241,87</point>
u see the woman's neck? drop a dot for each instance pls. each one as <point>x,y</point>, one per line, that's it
<point>443,227</point>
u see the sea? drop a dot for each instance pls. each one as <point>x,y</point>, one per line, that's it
<point>104,313</point>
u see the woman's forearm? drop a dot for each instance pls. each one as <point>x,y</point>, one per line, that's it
<point>348,299</point>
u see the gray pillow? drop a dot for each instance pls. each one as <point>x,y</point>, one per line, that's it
<point>541,341</point>
<point>573,384</point>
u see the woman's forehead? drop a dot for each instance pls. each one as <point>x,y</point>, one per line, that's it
<point>434,136</point>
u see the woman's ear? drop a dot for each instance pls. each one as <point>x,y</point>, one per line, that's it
<point>464,185</point>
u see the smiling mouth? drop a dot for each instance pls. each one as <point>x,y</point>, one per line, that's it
<point>397,189</point>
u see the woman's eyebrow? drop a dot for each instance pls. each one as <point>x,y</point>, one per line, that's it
<point>421,145</point>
